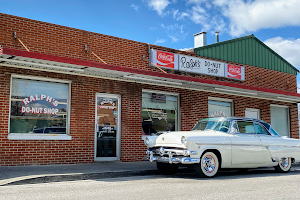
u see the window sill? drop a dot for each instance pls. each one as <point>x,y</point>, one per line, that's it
<point>30,136</point>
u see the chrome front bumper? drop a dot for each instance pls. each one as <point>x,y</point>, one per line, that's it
<point>167,156</point>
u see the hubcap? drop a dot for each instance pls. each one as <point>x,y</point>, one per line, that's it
<point>208,164</point>
<point>284,162</point>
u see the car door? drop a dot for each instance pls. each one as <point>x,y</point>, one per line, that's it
<point>246,145</point>
<point>277,146</point>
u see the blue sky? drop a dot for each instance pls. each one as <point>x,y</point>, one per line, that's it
<point>172,23</point>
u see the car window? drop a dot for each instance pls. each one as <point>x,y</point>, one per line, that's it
<point>273,131</point>
<point>212,125</point>
<point>246,127</point>
<point>260,129</point>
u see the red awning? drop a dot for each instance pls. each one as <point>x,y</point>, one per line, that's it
<point>44,62</point>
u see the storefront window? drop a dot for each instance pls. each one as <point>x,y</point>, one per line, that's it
<point>219,108</point>
<point>39,107</point>
<point>159,112</point>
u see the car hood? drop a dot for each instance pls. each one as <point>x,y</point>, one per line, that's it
<point>174,138</point>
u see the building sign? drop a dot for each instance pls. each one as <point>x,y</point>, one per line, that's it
<point>235,72</point>
<point>159,115</point>
<point>219,113</point>
<point>196,65</point>
<point>106,101</point>
<point>158,98</point>
<point>201,66</point>
<point>164,59</point>
<point>39,110</point>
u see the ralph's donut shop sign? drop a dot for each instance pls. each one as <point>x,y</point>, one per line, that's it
<point>196,65</point>
<point>40,110</point>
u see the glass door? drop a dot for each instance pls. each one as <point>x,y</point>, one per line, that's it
<point>107,133</point>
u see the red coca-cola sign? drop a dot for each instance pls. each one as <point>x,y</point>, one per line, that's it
<point>234,71</point>
<point>165,59</point>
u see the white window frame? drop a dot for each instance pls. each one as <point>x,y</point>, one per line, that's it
<point>36,136</point>
<point>222,100</point>
<point>288,114</point>
<point>253,110</point>
<point>168,93</point>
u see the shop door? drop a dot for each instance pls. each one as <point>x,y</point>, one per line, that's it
<point>107,133</point>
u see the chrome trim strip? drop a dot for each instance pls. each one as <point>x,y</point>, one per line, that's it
<point>172,160</point>
<point>267,146</point>
<point>162,151</point>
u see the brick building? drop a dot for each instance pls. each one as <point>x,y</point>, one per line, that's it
<point>59,103</point>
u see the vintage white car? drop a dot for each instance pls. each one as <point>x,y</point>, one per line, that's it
<point>224,142</point>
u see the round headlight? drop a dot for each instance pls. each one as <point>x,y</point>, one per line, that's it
<point>183,139</point>
<point>147,141</point>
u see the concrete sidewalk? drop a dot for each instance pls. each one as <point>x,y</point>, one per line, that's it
<point>16,175</point>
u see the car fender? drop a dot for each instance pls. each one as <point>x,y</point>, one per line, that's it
<point>225,153</point>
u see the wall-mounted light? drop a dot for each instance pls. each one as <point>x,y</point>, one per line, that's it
<point>18,62</point>
<point>152,80</point>
<point>290,99</point>
<point>236,91</point>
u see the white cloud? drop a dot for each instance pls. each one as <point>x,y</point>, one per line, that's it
<point>197,2</point>
<point>174,39</point>
<point>158,5</point>
<point>182,15</point>
<point>287,48</point>
<point>186,49</point>
<point>251,16</point>
<point>174,13</point>
<point>198,15</point>
<point>160,41</point>
<point>135,7</point>
<point>181,29</point>
<point>175,32</point>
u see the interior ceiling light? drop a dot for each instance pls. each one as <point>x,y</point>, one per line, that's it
<point>236,91</point>
<point>41,65</point>
<point>152,80</point>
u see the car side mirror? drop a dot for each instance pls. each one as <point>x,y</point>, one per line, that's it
<point>232,130</point>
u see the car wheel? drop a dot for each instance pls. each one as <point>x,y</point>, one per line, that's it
<point>284,165</point>
<point>208,166</point>
<point>166,168</point>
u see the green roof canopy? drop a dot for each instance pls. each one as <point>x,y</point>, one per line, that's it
<point>247,50</point>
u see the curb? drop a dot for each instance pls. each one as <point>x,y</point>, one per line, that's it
<point>74,177</point>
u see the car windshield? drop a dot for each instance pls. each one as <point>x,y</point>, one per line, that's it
<point>212,125</point>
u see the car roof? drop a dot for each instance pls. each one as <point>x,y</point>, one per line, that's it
<point>236,118</point>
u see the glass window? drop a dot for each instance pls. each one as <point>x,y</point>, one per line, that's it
<point>280,120</point>
<point>212,125</point>
<point>38,106</point>
<point>219,109</point>
<point>273,131</point>
<point>159,112</point>
<point>246,127</point>
<point>260,129</point>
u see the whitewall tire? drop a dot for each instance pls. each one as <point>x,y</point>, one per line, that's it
<point>208,166</point>
<point>284,165</point>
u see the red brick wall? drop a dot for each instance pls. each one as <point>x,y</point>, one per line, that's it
<point>64,41</point>
<point>193,106</point>
<point>68,42</point>
<point>81,148</point>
